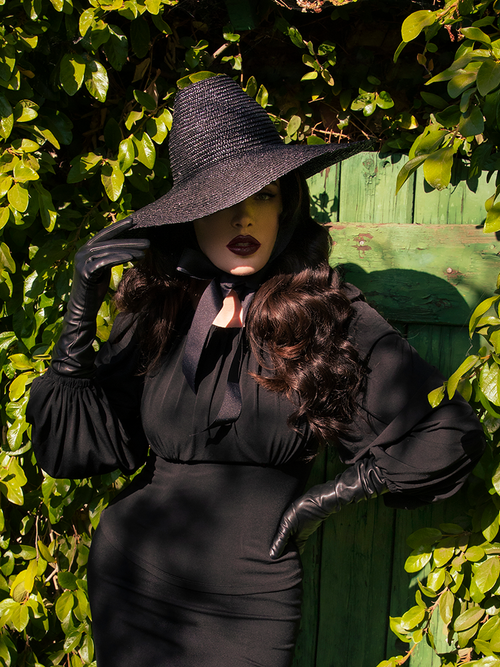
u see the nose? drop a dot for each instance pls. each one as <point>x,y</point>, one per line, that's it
<point>243,215</point>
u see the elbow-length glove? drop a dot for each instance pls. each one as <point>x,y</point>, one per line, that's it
<point>74,353</point>
<point>304,516</point>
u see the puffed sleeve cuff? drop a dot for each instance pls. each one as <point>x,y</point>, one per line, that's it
<point>424,454</point>
<point>83,427</point>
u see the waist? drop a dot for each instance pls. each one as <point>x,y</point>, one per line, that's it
<point>208,525</point>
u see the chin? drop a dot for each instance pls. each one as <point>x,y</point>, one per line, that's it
<point>242,271</point>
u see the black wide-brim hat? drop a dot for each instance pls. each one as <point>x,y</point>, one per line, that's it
<point>223,148</point>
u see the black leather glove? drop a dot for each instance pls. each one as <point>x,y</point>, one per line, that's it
<point>304,516</point>
<point>74,354</point>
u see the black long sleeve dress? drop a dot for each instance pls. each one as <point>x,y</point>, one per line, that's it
<point>180,573</point>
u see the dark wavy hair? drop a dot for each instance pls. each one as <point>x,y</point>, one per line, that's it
<point>297,324</point>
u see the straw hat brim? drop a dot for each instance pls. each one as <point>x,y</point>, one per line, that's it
<point>229,182</point>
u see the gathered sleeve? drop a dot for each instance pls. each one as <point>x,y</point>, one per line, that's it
<point>83,427</point>
<point>425,454</point>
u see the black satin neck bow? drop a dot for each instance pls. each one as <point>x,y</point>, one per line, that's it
<point>197,265</point>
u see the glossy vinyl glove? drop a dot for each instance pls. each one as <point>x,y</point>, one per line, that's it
<point>304,516</point>
<point>74,353</point>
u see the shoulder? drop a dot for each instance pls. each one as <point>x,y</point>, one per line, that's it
<point>367,326</point>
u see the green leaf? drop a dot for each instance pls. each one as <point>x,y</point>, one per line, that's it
<point>384,100</point>
<point>313,140</point>
<point>475,554</point>
<point>412,617</point>
<point>443,555</point>
<point>262,96</point>
<point>71,73</point>
<point>408,169</point>
<point>133,117</point>
<point>157,129</point>
<point>86,21</point>
<point>140,37</point>
<point>435,579</point>
<point>24,111</point>
<point>489,382</point>
<point>116,48</point>
<point>468,618</point>
<point>487,573</point>
<point>153,6</point>
<point>24,171</point>
<point>112,178</point>
<point>20,617</point>
<point>415,23</point>
<point>145,149</point>
<point>96,80</point>
<point>437,167</point>
<point>446,602</point>
<point>193,78</point>
<point>293,125</point>
<point>436,396</point>
<point>18,197</point>
<point>459,82</point>
<point>72,640</point>
<point>145,100</point>
<point>296,37</point>
<point>433,100</point>
<point>424,537</point>
<point>472,122</point>
<point>480,310</point>
<point>46,208</point>
<point>126,154</point>
<point>466,365</point>
<point>488,77</point>
<point>64,605</point>
<point>6,118</point>
<point>6,260</point>
<point>418,560</point>
<point>476,35</point>
<point>310,76</point>
<point>67,580</point>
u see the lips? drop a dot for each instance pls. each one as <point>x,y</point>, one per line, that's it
<point>243,245</point>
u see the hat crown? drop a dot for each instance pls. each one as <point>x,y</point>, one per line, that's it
<point>214,121</point>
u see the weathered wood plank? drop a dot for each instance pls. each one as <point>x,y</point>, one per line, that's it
<point>324,192</point>
<point>419,273</point>
<point>443,347</point>
<point>355,584</point>
<point>454,205</point>
<point>367,190</point>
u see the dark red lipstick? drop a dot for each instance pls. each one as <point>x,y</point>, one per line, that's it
<point>243,245</point>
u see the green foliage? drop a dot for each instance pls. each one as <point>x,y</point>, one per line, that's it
<point>465,94</point>
<point>457,608</point>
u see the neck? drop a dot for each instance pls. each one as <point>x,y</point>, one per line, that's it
<point>230,316</point>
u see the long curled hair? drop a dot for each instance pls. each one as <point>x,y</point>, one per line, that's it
<point>297,324</point>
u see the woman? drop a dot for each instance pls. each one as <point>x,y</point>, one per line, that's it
<point>197,562</point>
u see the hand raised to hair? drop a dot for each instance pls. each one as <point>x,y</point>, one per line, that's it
<point>74,353</point>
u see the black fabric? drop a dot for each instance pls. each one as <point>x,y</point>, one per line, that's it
<point>202,514</point>
<point>140,619</point>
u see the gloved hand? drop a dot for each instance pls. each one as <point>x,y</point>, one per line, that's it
<point>74,354</point>
<point>304,516</point>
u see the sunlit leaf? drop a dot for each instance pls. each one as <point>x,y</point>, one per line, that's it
<point>415,23</point>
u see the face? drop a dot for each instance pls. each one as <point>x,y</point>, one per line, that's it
<point>240,239</point>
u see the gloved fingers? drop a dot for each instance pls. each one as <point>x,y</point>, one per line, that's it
<point>285,531</point>
<point>113,230</point>
<point>92,261</point>
<point>97,264</point>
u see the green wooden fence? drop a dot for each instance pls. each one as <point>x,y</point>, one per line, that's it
<point>423,261</point>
